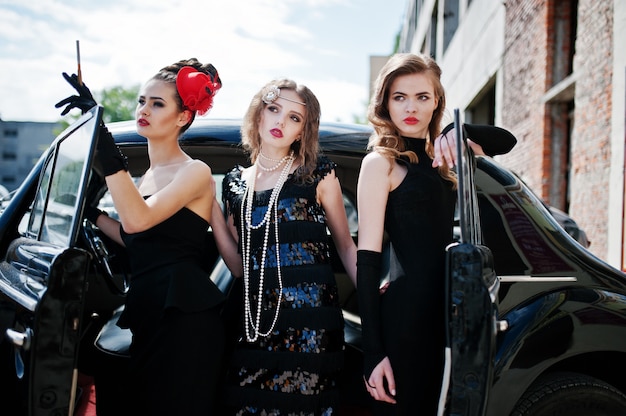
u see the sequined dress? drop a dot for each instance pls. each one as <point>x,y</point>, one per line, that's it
<point>293,371</point>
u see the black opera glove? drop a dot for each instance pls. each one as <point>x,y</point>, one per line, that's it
<point>92,214</point>
<point>110,156</point>
<point>368,269</point>
<point>84,100</point>
<point>494,140</point>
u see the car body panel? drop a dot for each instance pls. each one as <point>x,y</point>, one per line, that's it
<point>548,281</point>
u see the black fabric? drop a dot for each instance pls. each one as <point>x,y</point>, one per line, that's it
<point>83,101</point>
<point>92,214</point>
<point>419,222</point>
<point>109,154</point>
<point>295,369</point>
<point>494,140</point>
<point>368,265</point>
<point>172,309</point>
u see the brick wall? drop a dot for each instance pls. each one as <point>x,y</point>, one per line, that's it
<point>525,79</point>
<point>590,150</point>
<point>529,70</point>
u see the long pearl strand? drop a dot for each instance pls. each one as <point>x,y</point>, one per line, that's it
<point>252,324</point>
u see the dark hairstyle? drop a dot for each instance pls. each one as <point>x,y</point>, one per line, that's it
<point>168,74</point>
<point>307,148</point>
<point>386,136</point>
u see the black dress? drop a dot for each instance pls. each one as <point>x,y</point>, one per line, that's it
<point>419,219</point>
<point>293,370</point>
<point>172,309</point>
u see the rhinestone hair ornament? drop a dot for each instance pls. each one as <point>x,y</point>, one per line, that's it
<point>197,89</point>
<point>272,93</point>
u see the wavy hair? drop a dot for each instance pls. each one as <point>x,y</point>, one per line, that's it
<point>307,148</point>
<point>386,137</point>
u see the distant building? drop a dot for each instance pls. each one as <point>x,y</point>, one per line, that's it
<point>21,145</point>
<point>553,72</point>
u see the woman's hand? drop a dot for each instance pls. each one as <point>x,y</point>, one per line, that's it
<point>381,384</point>
<point>445,148</point>
<point>84,100</point>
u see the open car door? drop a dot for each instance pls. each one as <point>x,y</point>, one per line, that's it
<point>471,294</point>
<point>42,276</point>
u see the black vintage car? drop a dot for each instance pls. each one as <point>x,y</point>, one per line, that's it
<point>537,324</point>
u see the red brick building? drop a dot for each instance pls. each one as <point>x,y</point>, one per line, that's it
<point>553,72</point>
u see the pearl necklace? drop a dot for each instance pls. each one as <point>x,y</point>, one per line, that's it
<point>253,324</point>
<point>272,159</point>
<point>278,162</point>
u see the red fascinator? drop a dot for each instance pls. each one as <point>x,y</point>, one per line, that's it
<point>197,89</point>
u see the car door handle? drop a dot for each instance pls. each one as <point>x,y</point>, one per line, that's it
<point>502,326</point>
<point>20,339</point>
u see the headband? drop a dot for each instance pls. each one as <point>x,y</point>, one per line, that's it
<point>272,93</point>
<point>197,89</point>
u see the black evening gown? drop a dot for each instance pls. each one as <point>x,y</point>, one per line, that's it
<point>173,311</point>
<point>293,370</point>
<point>419,220</point>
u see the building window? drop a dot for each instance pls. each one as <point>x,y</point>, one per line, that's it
<point>483,109</point>
<point>7,155</point>
<point>10,133</point>
<point>450,21</point>
<point>560,99</point>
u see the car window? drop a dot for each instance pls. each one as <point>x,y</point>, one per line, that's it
<point>56,203</point>
<point>39,204</point>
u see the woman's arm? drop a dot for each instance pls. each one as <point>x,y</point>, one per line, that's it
<point>331,198</point>
<point>193,186</point>
<point>483,138</point>
<point>111,228</point>
<point>372,193</point>
<point>373,188</point>
<point>493,140</point>
<point>226,238</point>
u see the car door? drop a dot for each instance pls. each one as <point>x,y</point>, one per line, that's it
<point>42,277</point>
<point>471,308</point>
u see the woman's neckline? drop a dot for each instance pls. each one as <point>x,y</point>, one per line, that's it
<point>165,165</point>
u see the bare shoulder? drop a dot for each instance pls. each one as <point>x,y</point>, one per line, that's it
<point>195,171</point>
<point>375,161</point>
<point>199,164</point>
<point>195,167</point>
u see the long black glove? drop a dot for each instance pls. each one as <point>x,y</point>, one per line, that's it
<point>368,266</point>
<point>110,156</point>
<point>494,140</point>
<point>92,214</point>
<point>84,100</point>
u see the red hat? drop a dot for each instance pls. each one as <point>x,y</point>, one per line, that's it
<point>196,89</point>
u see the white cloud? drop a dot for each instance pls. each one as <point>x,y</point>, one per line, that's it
<point>324,44</point>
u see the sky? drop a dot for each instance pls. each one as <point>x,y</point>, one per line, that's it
<point>323,44</point>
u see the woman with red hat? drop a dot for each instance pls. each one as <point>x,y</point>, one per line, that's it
<point>163,225</point>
